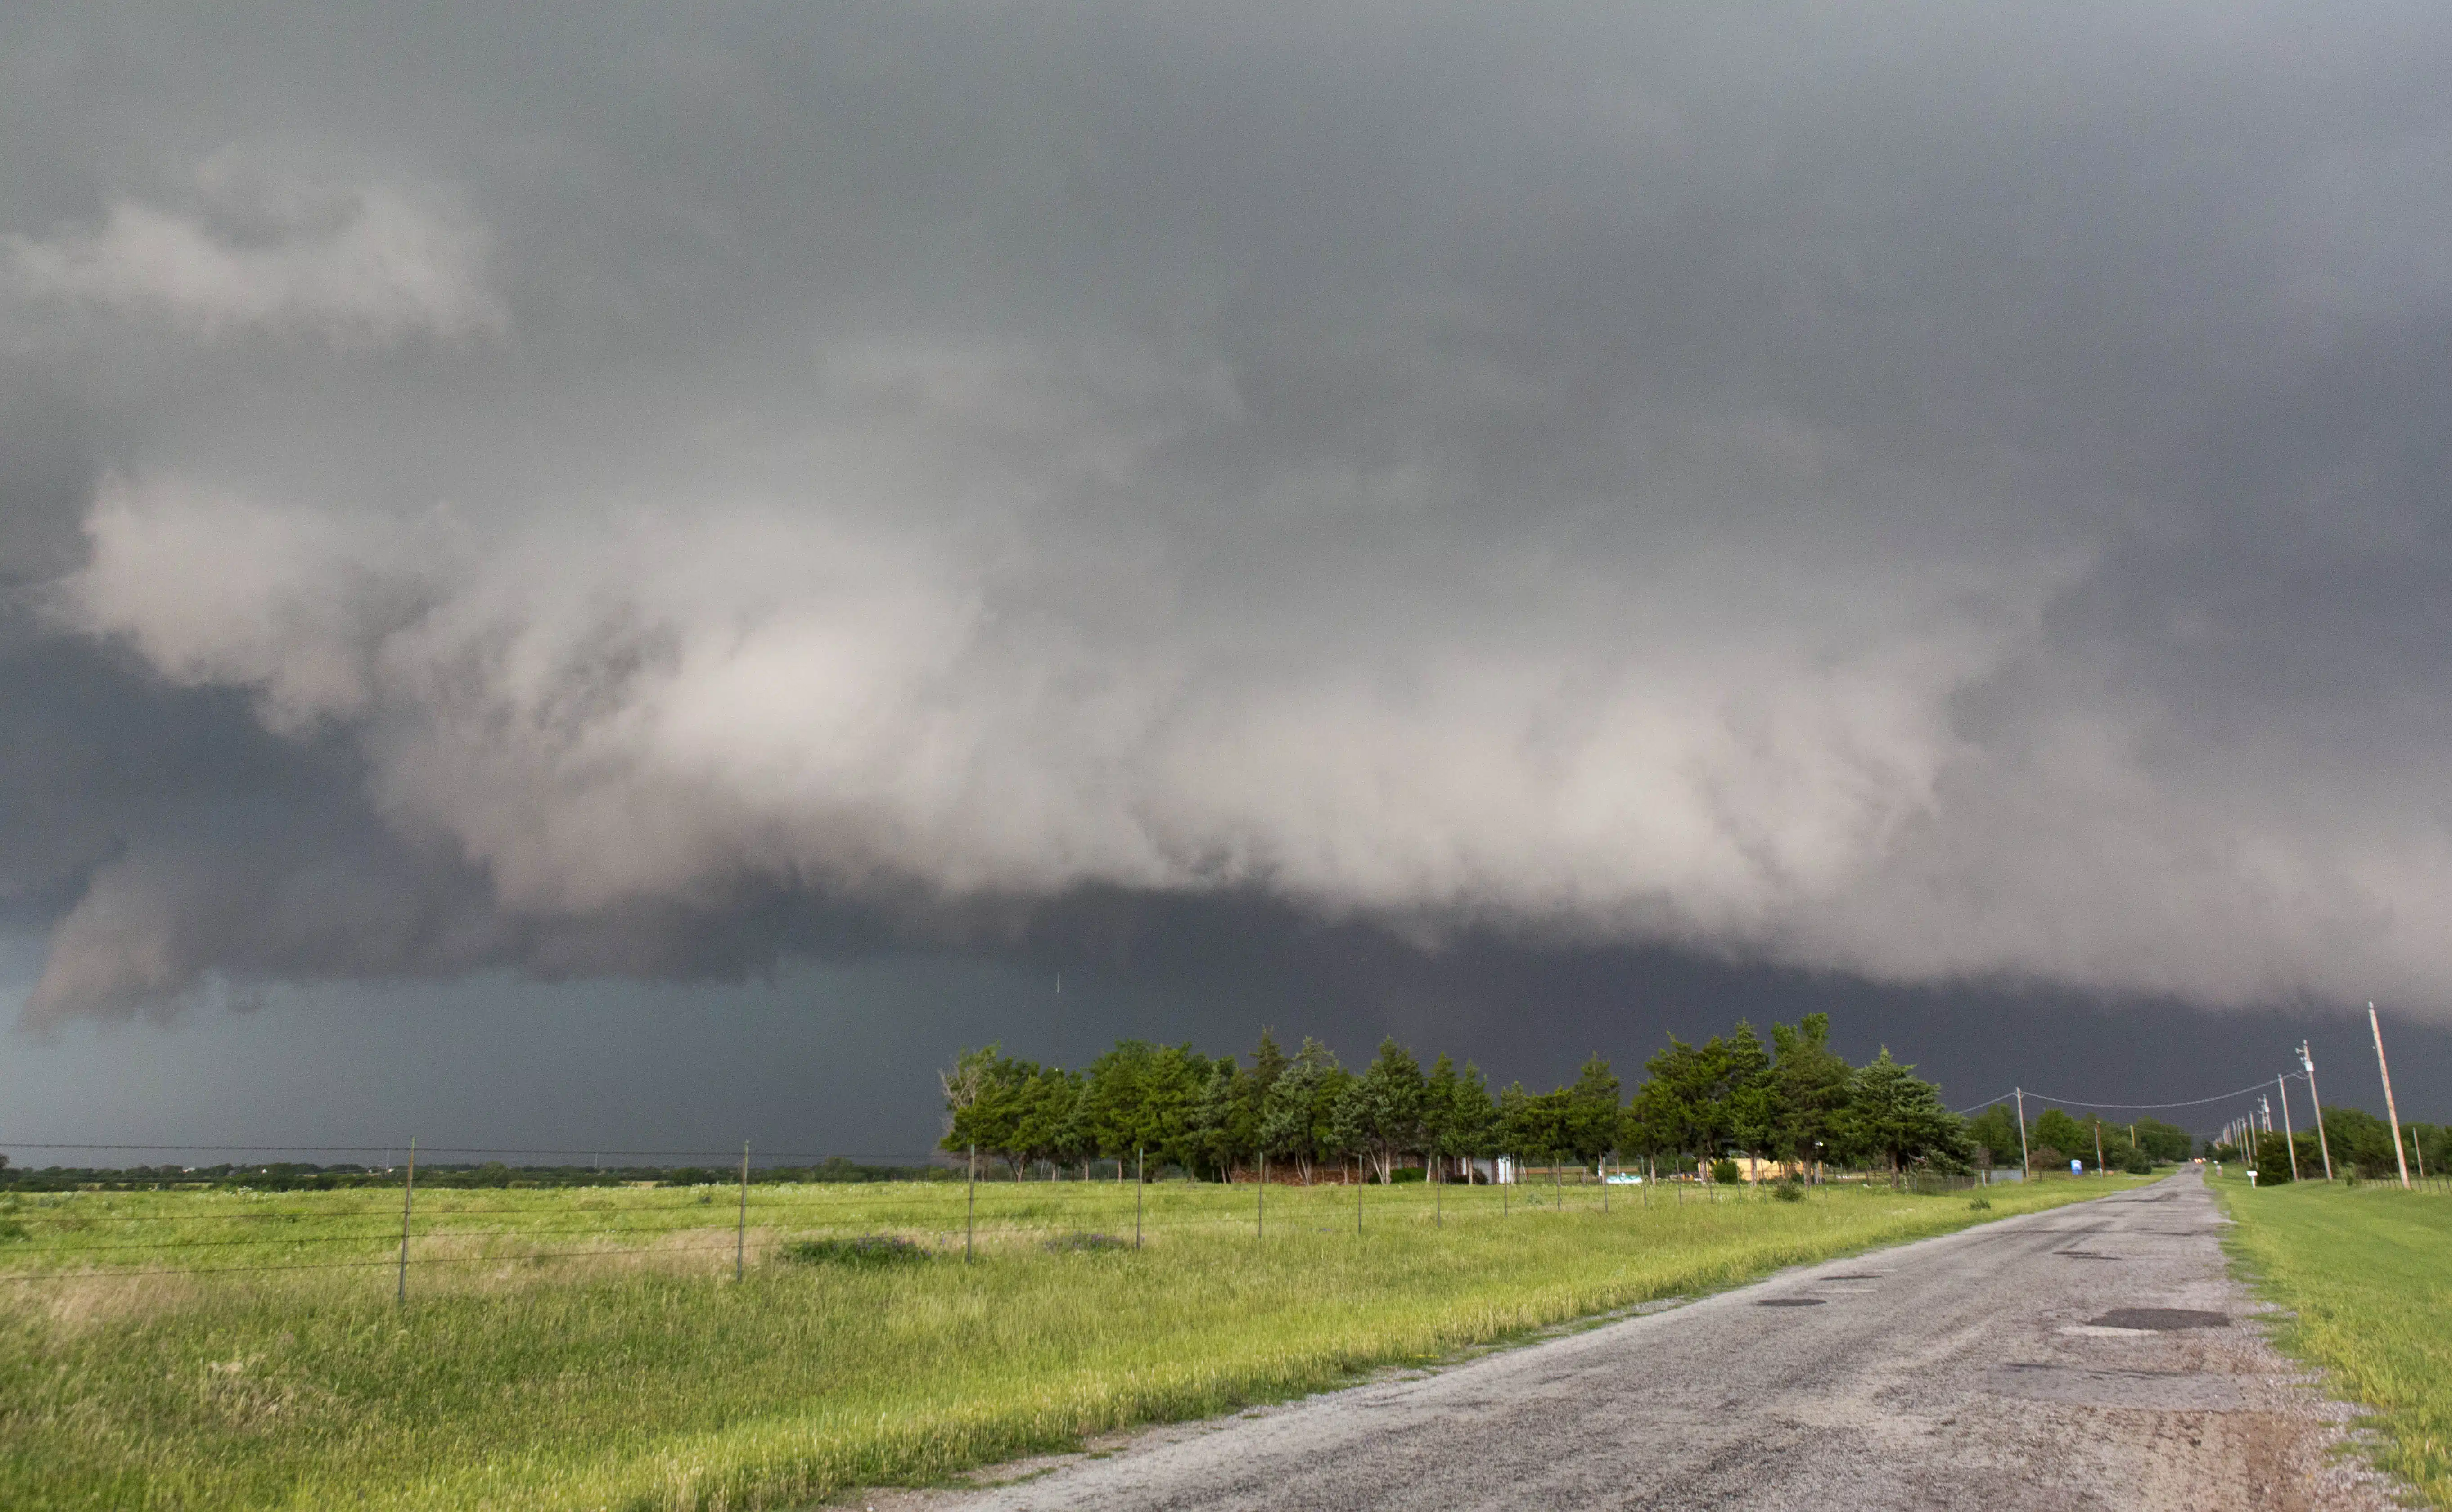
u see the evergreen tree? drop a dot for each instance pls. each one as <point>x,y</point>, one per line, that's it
<point>1113,1114</point>
<point>1747,1096</point>
<point>1473,1116</point>
<point>1170,1102</point>
<point>1438,1114</point>
<point>1220,1143</point>
<point>1898,1116</point>
<point>1812,1081</point>
<point>1381,1113</point>
<point>1590,1122</point>
<point>1298,1112</point>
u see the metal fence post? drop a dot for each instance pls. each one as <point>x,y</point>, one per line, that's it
<point>1260,1217</point>
<point>971,1204</point>
<point>1141,1190</point>
<point>407,1194</point>
<point>1358,1198</point>
<point>741,1237</point>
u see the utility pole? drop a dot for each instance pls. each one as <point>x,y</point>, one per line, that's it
<point>2323,1144</point>
<point>2288,1138</point>
<point>2026,1161</point>
<point>2391,1112</point>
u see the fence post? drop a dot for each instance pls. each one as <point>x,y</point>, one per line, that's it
<point>407,1193</point>
<point>1358,1198</point>
<point>1439,1170</point>
<point>741,1237</point>
<point>1260,1218</point>
<point>971,1204</point>
<point>1141,1190</point>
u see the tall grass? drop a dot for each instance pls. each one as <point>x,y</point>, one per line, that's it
<point>647,1379</point>
<point>2364,1272</point>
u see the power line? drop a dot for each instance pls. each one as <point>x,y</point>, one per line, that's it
<point>2079,1102</point>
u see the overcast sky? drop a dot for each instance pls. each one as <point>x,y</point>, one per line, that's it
<point>813,518</point>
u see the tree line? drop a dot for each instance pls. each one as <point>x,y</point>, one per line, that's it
<point>1794,1100</point>
<point>2362,1146</point>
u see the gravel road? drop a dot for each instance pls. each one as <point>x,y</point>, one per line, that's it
<point>2094,1356</point>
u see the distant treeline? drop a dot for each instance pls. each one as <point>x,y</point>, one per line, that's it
<point>2361,1145</point>
<point>1794,1100</point>
<point>2055,1138</point>
<point>292,1176</point>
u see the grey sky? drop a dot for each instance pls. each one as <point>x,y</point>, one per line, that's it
<point>1934,495</point>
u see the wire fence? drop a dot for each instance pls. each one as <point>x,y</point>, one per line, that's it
<point>253,1217</point>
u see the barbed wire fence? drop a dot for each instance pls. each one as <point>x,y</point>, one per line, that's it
<point>471,1207</point>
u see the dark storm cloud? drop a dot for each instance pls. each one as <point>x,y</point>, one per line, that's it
<point>1924,494</point>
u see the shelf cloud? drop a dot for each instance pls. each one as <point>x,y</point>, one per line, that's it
<point>1928,496</point>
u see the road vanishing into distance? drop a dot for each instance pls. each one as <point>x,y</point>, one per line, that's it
<point>2094,1356</point>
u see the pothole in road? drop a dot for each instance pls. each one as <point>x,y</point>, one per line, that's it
<point>1790,1302</point>
<point>2161,1320</point>
<point>2082,1254</point>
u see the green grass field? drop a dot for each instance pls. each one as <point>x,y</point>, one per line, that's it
<point>626,1369</point>
<point>2368,1272</point>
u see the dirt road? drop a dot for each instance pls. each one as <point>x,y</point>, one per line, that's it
<point>2094,1356</point>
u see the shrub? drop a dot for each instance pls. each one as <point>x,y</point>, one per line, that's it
<point>1789,1191</point>
<point>866,1250</point>
<point>1087,1243</point>
<point>1726,1172</point>
<point>1981,1204</point>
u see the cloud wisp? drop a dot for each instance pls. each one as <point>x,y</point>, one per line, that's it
<point>354,266</point>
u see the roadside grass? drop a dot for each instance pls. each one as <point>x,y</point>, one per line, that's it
<point>2362,1271</point>
<point>643,1378</point>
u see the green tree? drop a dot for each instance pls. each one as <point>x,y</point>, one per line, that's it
<point>1677,1106</point>
<point>984,1102</point>
<point>1753,1117</point>
<point>1472,1118</point>
<point>2063,1136</point>
<point>1812,1081</point>
<point>1112,1110</point>
<point>1590,1122</point>
<point>2160,1140</point>
<point>1297,1114</point>
<point>1380,1116</point>
<point>1993,1135</point>
<point>1048,1126</point>
<point>1438,1116</point>
<point>1218,1144</point>
<point>1898,1116</point>
<point>2362,1142</point>
<point>2272,1160</point>
<point>1171,1092</point>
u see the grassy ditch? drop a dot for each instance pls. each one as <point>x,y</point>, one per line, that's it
<point>2362,1270</point>
<point>590,1349</point>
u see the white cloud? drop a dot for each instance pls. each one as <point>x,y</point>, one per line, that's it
<point>355,265</point>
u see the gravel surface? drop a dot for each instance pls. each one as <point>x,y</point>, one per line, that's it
<point>2094,1356</point>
